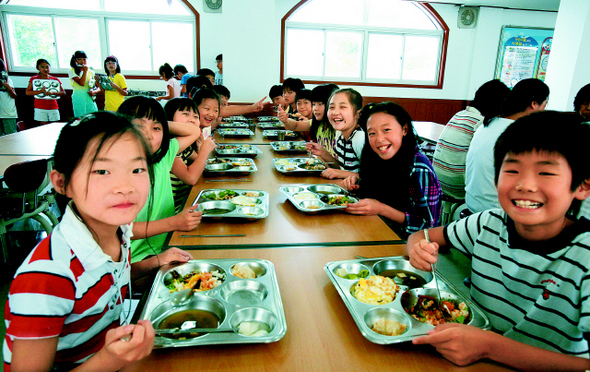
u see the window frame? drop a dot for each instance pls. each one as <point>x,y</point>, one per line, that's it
<point>103,17</point>
<point>377,30</point>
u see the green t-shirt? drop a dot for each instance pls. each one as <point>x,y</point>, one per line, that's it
<point>163,206</point>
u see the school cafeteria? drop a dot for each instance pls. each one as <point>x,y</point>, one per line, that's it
<point>369,185</point>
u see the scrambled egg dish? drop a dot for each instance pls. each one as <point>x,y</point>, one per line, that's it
<point>376,290</point>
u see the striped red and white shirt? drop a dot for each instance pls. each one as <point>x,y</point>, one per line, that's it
<point>68,288</point>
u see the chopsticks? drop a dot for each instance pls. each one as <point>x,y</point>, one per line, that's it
<point>231,180</point>
<point>213,236</point>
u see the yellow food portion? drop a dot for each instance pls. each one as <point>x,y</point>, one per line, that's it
<point>305,196</point>
<point>244,200</point>
<point>388,327</point>
<point>285,162</point>
<point>244,272</point>
<point>376,290</point>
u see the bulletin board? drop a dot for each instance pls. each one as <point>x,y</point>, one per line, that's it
<point>523,53</point>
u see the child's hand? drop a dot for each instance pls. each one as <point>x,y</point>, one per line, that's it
<point>349,183</point>
<point>459,343</point>
<point>188,219</point>
<point>365,207</point>
<point>174,255</point>
<point>331,173</point>
<point>258,106</point>
<point>282,115</point>
<point>316,149</point>
<point>208,145</point>
<point>127,344</point>
<point>423,255</point>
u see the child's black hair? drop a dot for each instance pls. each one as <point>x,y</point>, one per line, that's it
<point>180,68</point>
<point>113,59</point>
<point>522,95</point>
<point>219,57</point>
<point>303,94</point>
<point>166,70</point>
<point>205,72</point>
<point>139,107</point>
<point>293,84</point>
<point>41,60</point>
<point>75,136</point>
<point>548,131</point>
<point>179,104</point>
<point>388,180</point>
<point>355,98</point>
<point>222,90</point>
<point>582,96</point>
<point>2,65</point>
<point>490,97</point>
<point>205,93</point>
<point>73,64</point>
<point>275,90</point>
<point>195,83</point>
<point>322,94</point>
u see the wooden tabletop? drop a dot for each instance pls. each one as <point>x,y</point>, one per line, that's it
<point>38,141</point>
<point>285,224</point>
<point>428,131</point>
<point>321,333</point>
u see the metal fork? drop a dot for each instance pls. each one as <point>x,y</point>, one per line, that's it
<point>441,305</point>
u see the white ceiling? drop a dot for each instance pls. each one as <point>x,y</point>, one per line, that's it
<point>550,5</point>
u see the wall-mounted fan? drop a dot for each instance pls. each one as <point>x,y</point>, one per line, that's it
<point>212,6</point>
<point>467,17</point>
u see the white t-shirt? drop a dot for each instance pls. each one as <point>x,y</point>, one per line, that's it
<point>480,190</point>
<point>175,84</point>
<point>7,103</point>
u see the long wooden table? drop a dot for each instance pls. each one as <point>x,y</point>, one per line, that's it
<point>428,131</point>
<point>321,333</point>
<point>285,225</point>
<point>257,139</point>
<point>38,141</point>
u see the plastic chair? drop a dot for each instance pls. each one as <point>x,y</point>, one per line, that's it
<point>23,198</point>
<point>20,126</point>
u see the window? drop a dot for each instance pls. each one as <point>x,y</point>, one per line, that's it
<point>136,31</point>
<point>364,42</point>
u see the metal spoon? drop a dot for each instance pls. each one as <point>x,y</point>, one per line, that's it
<point>182,297</point>
<point>441,305</point>
<point>190,326</point>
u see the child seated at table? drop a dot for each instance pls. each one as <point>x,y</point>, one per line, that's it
<point>189,164</point>
<point>290,88</point>
<point>66,300</point>
<point>343,114</point>
<point>158,217</point>
<point>301,121</point>
<point>396,180</point>
<point>208,73</point>
<point>224,94</point>
<point>276,96</point>
<point>529,260</point>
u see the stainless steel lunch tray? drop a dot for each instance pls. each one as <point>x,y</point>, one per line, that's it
<point>230,165</point>
<point>267,118</point>
<point>294,165</point>
<point>307,198</point>
<point>226,208</point>
<point>271,125</point>
<point>52,86</point>
<point>365,314</point>
<point>235,132</point>
<point>235,300</point>
<point>233,124</point>
<point>288,146</point>
<point>273,134</point>
<point>238,118</point>
<point>237,150</point>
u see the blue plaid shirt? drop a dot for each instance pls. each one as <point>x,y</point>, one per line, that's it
<point>425,196</point>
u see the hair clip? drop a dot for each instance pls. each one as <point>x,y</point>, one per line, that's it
<point>76,122</point>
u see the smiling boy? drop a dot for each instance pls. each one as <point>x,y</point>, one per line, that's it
<point>530,259</point>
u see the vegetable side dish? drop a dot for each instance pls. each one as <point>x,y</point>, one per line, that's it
<point>196,280</point>
<point>427,311</point>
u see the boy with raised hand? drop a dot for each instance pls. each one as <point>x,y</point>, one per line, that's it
<point>530,259</point>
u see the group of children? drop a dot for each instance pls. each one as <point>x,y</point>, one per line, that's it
<point>137,165</point>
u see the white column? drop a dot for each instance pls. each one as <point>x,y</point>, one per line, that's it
<point>569,62</point>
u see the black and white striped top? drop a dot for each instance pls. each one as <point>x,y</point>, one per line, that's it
<point>348,152</point>
<point>533,292</point>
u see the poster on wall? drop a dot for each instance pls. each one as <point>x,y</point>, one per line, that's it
<point>523,53</point>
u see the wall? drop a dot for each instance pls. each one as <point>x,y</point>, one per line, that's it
<point>248,33</point>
